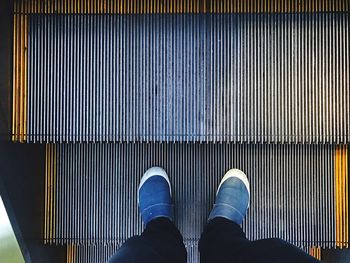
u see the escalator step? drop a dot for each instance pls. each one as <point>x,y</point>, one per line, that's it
<point>299,192</point>
<point>223,77</point>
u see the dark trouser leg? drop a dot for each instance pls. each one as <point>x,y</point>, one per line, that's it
<point>223,241</point>
<point>160,242</point>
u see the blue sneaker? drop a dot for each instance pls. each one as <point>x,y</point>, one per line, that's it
<point>232,197</point>
<point>154,195</point>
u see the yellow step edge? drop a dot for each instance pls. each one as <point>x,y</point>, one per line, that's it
<point>25,80</point>
<point>181,6</point>
<point>54,170</point>
<point>14,91</point>
<point>45,198</point>
<point>47,193</point>
<point>71,253</point>
<point>50,194</point>
<point>21,78</point>
<point>347,197</point>
<point>316,252</point>
<point>341,196</point>
<point>19,89</point>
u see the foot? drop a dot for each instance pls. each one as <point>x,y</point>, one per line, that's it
<point>154,195</point>
<point>232,197</point>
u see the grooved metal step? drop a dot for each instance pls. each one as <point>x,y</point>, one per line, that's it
<point>98,253</point>
<point>223,77</point>
<point>272,74</point>
<point>101,253</point>
<point>294,190</point>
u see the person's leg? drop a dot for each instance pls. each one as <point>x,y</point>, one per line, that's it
<point>161,241</point>
<point>220,241</point>
<point>223,239</point>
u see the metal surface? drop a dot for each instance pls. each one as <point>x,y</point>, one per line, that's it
<point>292,190</point>
<point>186,71</point>
<point>101,253</point>
<point>91,253</point>
<point>20,70</point>
<point>316,252</point>
<point>239,78</point>
<point>341,172</point>
<point>177,6</point>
